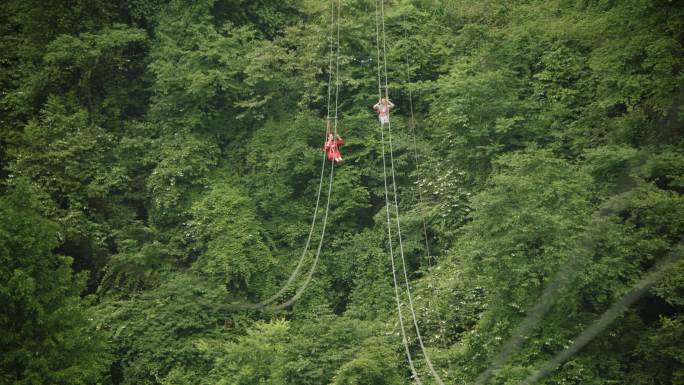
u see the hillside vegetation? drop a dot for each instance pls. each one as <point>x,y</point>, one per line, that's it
<point>160,162</point>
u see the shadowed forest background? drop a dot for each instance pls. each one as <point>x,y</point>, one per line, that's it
<point>159,161</point>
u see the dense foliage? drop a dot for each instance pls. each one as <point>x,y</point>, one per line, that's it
<point>160,160</point>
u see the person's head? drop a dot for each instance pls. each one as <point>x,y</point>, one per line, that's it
<point>331,136</point>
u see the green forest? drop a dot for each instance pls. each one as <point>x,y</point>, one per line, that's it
<point>168,215</point>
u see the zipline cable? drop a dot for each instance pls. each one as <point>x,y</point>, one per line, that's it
<point>587,243</point>
<point>431,282</point>
<point>396,207</point>
<point>404,339</point>
<point>387,210</point>
<point>415,156</point>
<point>300,263</point>
<point>309,276</point>
<point>636,292</point>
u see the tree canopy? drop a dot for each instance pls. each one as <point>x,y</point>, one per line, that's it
<point>160,162</point>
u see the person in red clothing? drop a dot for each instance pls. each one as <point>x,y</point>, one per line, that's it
<point>332,148</point>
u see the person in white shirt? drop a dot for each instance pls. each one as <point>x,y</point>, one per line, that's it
<point>382,108</point>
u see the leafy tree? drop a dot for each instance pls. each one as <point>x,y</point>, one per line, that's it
<point>47,333</point>
<point>172,149</point>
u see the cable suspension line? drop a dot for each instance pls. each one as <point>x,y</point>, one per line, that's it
<point>415,156</point>
<point>636,292</point>
<point>402,328</point>
<point>265,303</point>
<point>396,206</point>
<point>556,284</point>
<point>421,202</point>
<point>309,276</point>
